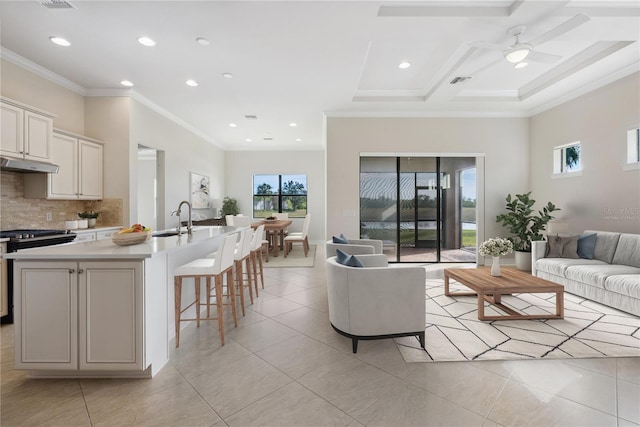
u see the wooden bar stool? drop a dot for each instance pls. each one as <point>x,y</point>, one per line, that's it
<point>243,254</point>
<point>218,266</point>
<point>256,256</point>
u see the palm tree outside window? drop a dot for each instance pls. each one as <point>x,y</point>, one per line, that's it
<point>278,194</point>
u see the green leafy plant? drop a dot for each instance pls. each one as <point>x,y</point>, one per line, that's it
<point>525,225</point>
<point>88,214</point>
<point>229,206</point>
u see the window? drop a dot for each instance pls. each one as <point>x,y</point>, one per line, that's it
<point>633,146</point>
<point>279,193</point>
<point>567,158</point>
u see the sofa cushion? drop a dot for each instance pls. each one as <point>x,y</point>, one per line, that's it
<point>606,243</point>
<point>558,266</point>
<point>628,250</point>
<point>625,284</point>
<point>596,275</point>
<point>340,239</point>
<point>562,247</point>
<point>587,245</point>
<point>348,260</point>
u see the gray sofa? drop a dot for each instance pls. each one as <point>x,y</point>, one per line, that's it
<point>612,277</point>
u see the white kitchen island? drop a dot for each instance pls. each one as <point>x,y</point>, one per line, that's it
<point>96,309</point>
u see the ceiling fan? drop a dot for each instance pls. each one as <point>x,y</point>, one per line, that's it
<point>517,52</point>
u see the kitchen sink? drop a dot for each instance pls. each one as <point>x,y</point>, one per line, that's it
<point>166,234</point>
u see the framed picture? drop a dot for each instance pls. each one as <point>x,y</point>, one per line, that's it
<point>199,191</point>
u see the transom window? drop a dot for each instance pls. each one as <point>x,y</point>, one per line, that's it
<point>279,194</point>
<point>567,158</point>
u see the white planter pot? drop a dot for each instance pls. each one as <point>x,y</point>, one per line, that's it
<point>523,260</point>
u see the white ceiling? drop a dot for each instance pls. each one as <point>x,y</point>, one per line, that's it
<point>293,61</point>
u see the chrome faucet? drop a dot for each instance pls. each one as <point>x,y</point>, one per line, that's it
<point>189,223</point>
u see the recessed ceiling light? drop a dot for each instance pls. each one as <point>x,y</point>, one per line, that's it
<point>248,139</point>
<point>146,41</point>
<point>60,41</point>
<point>227,75</point>
<point>202,41</point>
<point>521,64</point>
<point>233,125</point>
<point>292,124</point>
<point>404,64</point>
<point>298,139</point>
<point>126,83</point>
<point>191,83</point>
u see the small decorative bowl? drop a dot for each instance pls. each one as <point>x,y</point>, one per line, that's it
<point>126,239</point>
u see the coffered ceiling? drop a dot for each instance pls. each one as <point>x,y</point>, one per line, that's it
<point>296,61</point>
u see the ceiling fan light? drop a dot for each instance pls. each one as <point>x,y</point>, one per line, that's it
<point>517,53</point>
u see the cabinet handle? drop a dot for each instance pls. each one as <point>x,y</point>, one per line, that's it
<point>80,271</point>
<point>71,271</point>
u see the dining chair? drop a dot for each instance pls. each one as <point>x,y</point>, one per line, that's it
<point>217,266</point>
<point>301,237</point>
<point>242,221</point>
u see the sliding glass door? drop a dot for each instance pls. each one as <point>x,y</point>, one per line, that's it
<point>422,208</point>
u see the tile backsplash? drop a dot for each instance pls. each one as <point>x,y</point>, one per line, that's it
<point>18,212</point>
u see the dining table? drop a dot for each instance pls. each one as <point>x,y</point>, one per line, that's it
<point>275,232</point>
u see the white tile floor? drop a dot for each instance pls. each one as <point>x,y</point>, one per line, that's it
<point>285,366</point>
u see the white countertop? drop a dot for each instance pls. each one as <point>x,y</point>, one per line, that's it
<point>94,229</point>
<point>106,249</point>
<point>4,239</point>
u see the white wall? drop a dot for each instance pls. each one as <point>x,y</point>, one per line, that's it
<point>503,141</point>
<point>33,90</point>
<point>242,165</point>
<point>605,197</point>
<point>184,153</point>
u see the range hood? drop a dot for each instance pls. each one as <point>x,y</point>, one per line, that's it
<point>23,165</point>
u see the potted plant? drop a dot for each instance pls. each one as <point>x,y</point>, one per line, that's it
<point>229,207</point>
<point>90,216</point>
<point>525,225</point>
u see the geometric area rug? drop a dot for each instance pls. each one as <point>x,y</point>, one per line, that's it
<point>454,333</point>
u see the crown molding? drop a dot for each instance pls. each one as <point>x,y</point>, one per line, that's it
<point>31,66</point>
<point>425,114</point>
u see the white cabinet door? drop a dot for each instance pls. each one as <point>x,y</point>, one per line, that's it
<point>46,310</point>
<point>111,316</point>
<point>90,167</point>
<point>37,136</point>
<point>64,184</point>
<point>12,142</point>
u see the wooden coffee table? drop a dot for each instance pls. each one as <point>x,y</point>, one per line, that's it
<point>489,288</point>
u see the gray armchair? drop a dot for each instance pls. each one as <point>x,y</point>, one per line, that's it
<point>376,301</point>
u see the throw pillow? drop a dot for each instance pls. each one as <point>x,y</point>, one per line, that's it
<point>341,239</point>
<point>587,245</point>
<point>562,247</point>
<point>348,260</point>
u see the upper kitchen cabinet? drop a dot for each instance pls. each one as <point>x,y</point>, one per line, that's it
<point>26,131</point>
<point>81,170</point>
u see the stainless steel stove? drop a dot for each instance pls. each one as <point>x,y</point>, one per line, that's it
<point>25,239</point>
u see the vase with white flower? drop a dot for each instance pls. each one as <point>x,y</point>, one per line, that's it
<point>495,247</point>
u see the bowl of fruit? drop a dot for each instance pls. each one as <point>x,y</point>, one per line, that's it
<point>271,218</point>
<point>133,235</point>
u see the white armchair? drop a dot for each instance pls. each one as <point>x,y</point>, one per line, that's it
<point>376,301</point>
<point>354,247</point>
